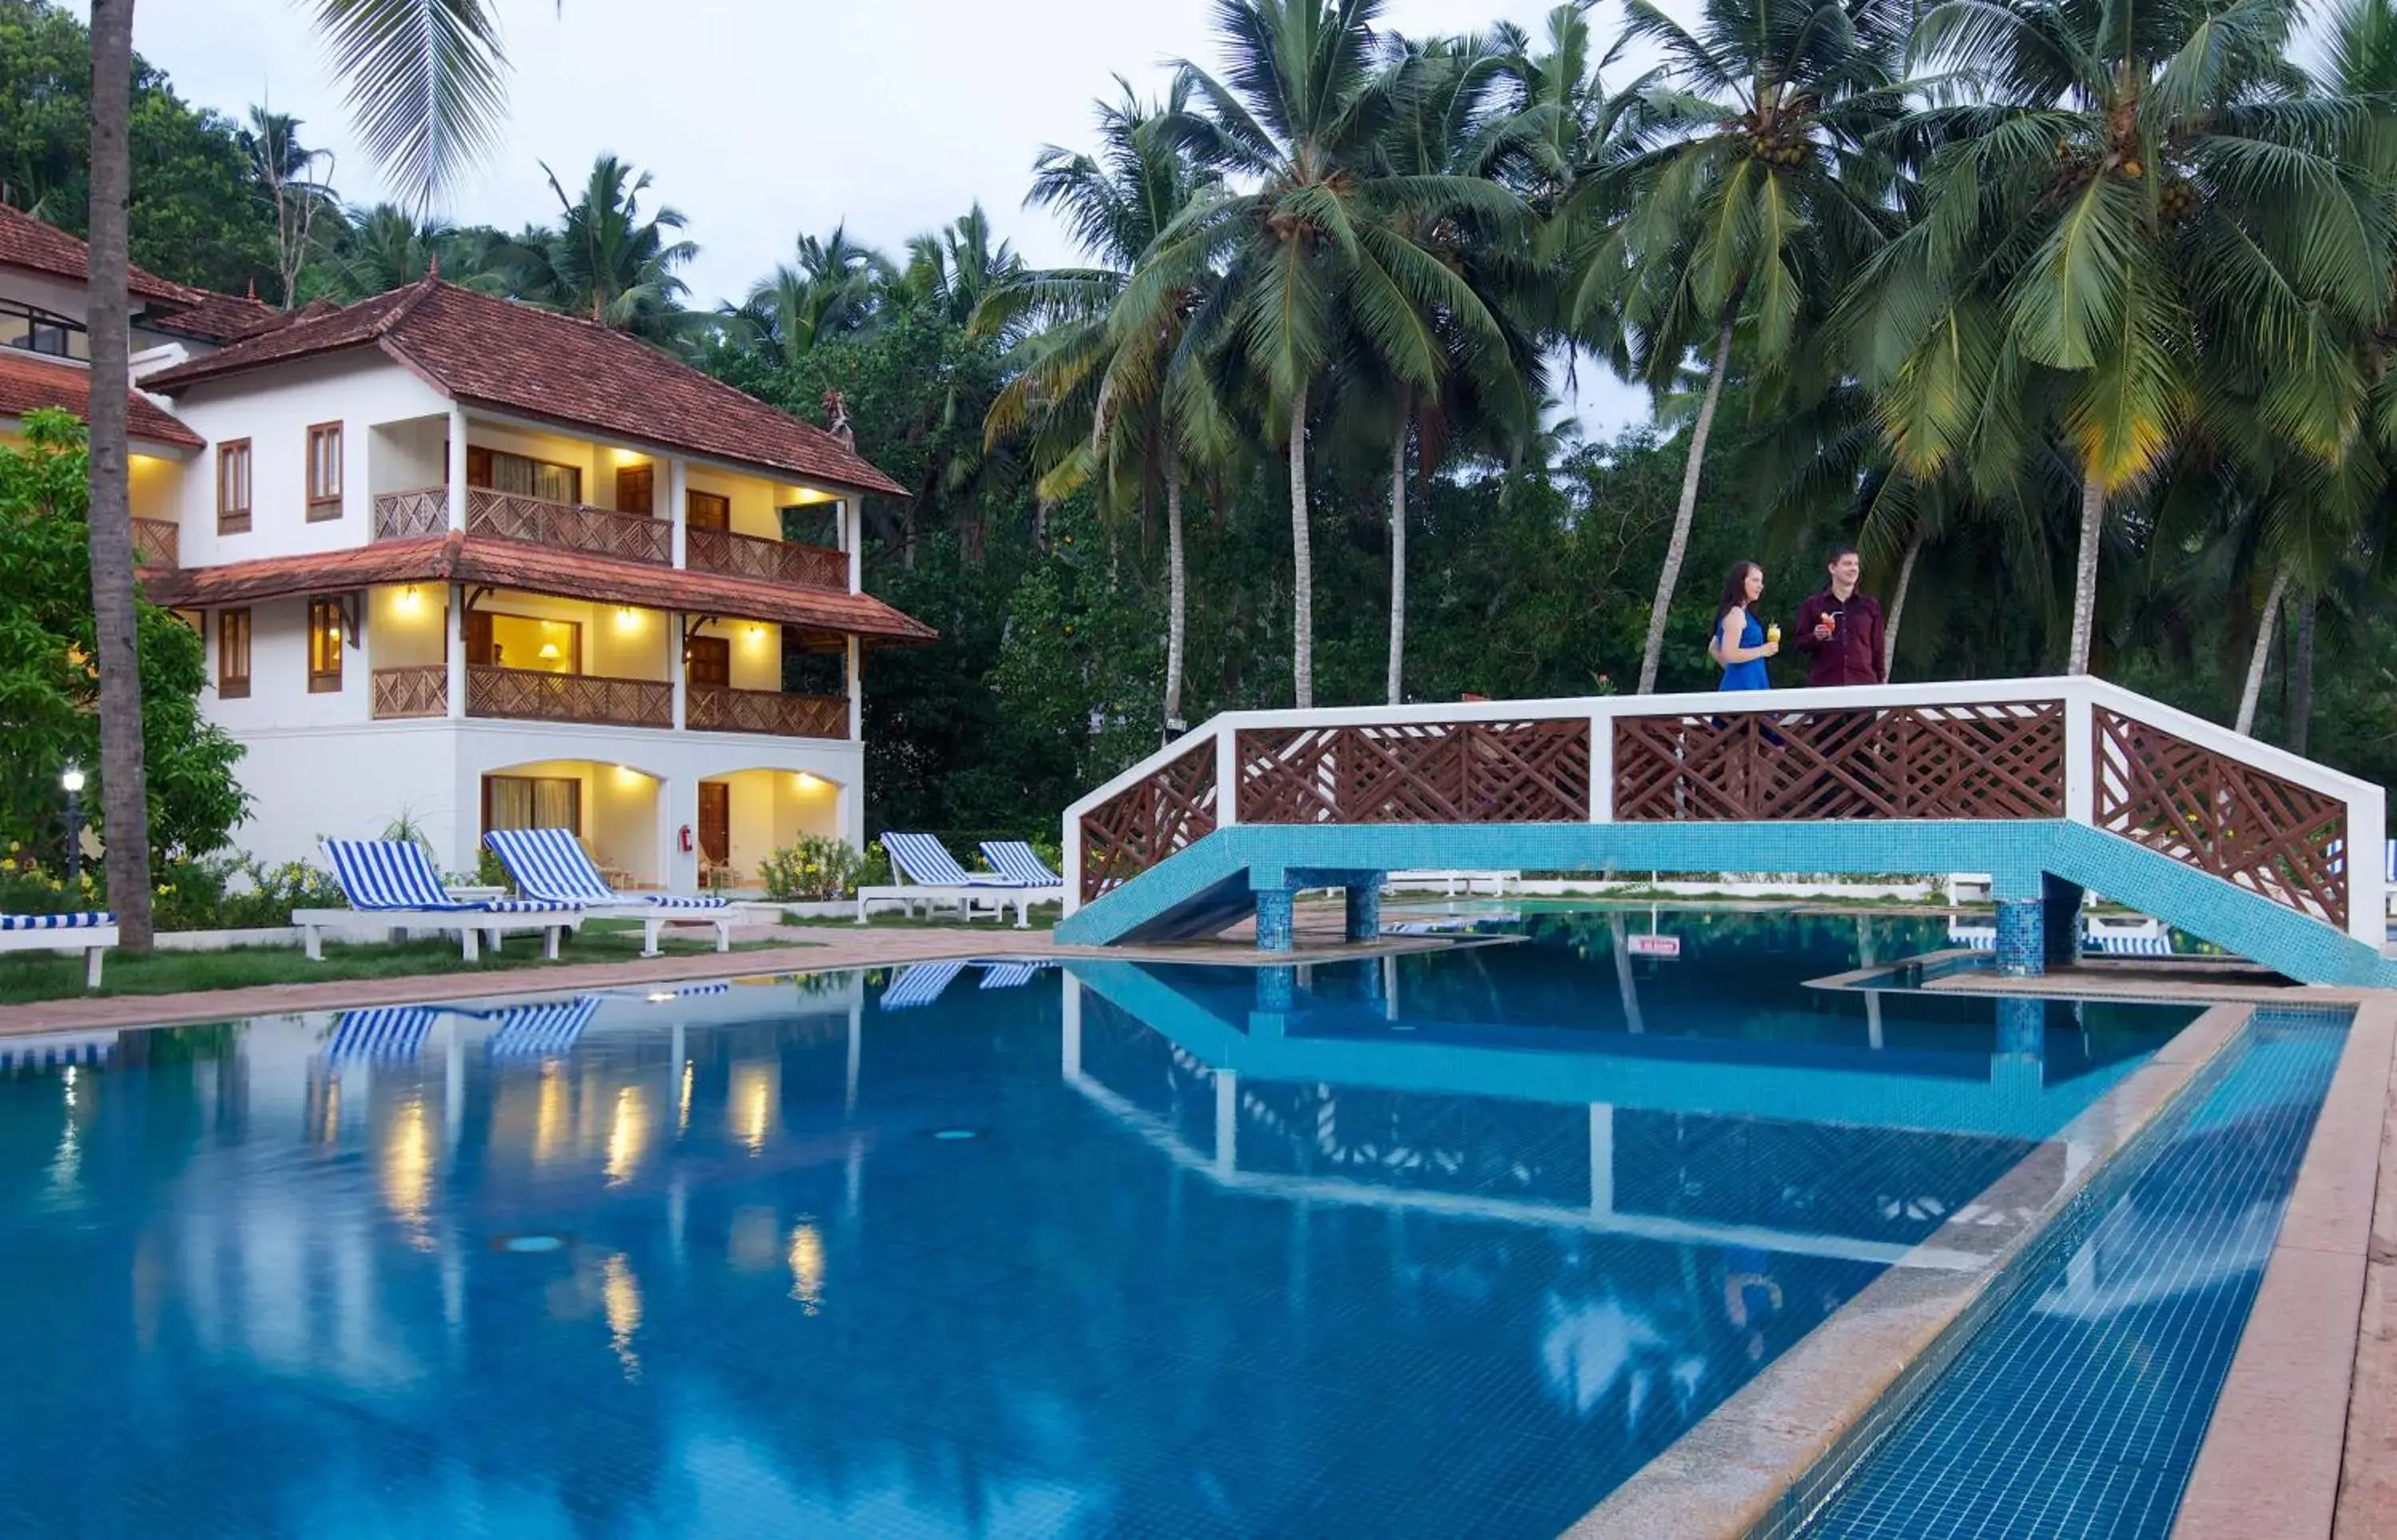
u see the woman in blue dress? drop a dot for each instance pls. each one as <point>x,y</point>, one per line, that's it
<point>1740,642</point>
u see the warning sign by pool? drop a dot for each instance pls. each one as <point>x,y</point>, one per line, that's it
<point>1655,946</point>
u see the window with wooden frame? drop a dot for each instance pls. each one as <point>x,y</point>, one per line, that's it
<point>323,471</point>
<point>707,510</point>
<point>232,653</point>
<point>532,802</point>
<point>232,486</point>
<point>637,489</point>
<point>502,471</point>
<point>709,661</point>
<point>326,624</point>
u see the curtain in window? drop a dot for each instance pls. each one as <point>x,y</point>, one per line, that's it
<point>511,802</point>
<point>553,804</point>
<point>534,478</point>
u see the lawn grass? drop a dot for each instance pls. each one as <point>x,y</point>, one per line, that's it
<point>29,976</point>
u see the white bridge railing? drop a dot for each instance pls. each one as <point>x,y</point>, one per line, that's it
<point>2069,747</point>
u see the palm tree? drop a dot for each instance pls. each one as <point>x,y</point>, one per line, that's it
<point>607,262</point>
<point>832,290</point>
<point>1745,200</point>
<point>1107,388</point>
<point>295,180</point>
<point>956,267</point>
<point>2139,215</point>
<point>1319,257</point>
<point>426,78</point>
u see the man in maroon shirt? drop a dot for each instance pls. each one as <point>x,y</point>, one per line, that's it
<point>1839,629</point>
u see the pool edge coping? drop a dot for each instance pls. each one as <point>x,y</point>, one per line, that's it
<point>2281,1425</point>
<point>1729,1473</point>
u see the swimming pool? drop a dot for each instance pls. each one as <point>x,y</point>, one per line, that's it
<point>1443,1243</point>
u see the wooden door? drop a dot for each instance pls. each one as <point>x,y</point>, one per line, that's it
<point>707,510</point>
<point>710,660</point>
<point>714,822</point>
<point>479,649</point>
<point>637,489</point>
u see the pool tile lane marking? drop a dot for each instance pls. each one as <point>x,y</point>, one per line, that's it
<point>2270,1465</point>
<point>1729,1473</point>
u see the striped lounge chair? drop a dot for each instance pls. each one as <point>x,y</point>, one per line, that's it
<point>91,931</point>
<point>1016,858</point>
<point>551,864</point>
<point>920,984</point>
<point>928,875</point>
<point>542,1029</point>
<point>391,884</point>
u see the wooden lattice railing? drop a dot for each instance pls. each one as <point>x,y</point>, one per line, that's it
<point>157,542</point>
<point>1446,771</point>
<point>715,709</point>
<point>1999,761</point>
<point>528,694</point>
<point>570,526</point>
<point>421,691</point>
<point>2257,830</point>
<point>1173,807</point>
<point>412,514</point>
<point>774,561</point>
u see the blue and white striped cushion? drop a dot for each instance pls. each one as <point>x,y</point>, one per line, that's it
<point>921,983</point>
<point>549,1028</point>
<point>388,874</point>
<point>925,861</point>
<point>549,863</point>
<point>522,906</point>
<point>680,901</point>
<point>88,919</point>
<point>385,1033</point>
<point>1018,861</point>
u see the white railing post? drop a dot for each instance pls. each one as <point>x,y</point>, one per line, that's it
<point>1227,775</point>
<point>2367,871</point>
<point>1070,859</point>
<point>2080,757</point>
<point>457,487</point>
<point>1601,767</point>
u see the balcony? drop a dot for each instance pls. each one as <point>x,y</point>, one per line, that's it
<point>791,562</point>
<point>157,542</point>
<point>530,695</point>
<point>419,691</point>
<point>716,709</point>
<point>516,516</point>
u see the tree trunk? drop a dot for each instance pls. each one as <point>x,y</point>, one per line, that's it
<point>1301,641</point>
<point>2301,676</point>
<point>2084,573</point>
<point>1898,608</point>
<point>1683,516</point>
<point>125,807</point>
<point>2266,627</point>
<point>1398,552</point>
<point>1176,596</point>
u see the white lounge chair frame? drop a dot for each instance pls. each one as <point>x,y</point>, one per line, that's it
<point>589,890</point>
<point>979,888</point>
<point>93,932</point>
<point>471,922</point>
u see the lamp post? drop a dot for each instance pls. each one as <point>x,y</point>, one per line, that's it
<point>72,780</point>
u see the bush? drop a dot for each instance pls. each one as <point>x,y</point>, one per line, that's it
<point>27,888</point>
<point>240,893</point>
<point>875,872</point>
<point>813,869</point>
<point>491,871</point>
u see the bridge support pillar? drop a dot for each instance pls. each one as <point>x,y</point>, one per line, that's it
<point>2022,937</point>
<point>1276,916</point>
<point>1365,907</point>
<point>2061,921</point>
<point>1276,990</point>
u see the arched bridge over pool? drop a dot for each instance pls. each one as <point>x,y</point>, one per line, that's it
<point>2056,786</point>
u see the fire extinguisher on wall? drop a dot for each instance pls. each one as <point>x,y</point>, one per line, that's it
<point>683,838</point>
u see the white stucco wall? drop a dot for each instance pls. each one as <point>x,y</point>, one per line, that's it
<point>274,409</point>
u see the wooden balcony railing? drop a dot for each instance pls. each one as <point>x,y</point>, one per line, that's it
<point>157,542</point>
<point>527,695</point>
<point>423,691</point>
<point>570,526</point>
<point>412,515</point>
<point>774,561</point>
<point>714,709</point>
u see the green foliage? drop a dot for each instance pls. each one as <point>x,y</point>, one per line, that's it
<point>812,869</point>
<point>47,690</point>
<point>195,216</point>
<point>240,893</point>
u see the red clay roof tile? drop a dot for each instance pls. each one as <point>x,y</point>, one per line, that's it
<point>514,563</point>
<point>28,380</point>
<point>26,242</point>
<point>558,368</point>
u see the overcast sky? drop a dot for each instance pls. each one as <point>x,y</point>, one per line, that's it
<point>759,119</point>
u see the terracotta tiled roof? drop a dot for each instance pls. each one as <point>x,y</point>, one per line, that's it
<point>218,317</point>
<point>28,380</point>
<point>558,369</point>
<point>26,242</point>
<point>514,564</point>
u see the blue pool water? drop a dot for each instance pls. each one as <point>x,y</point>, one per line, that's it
<point>1447,1245</point>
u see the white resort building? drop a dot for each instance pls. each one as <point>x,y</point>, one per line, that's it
<point>483,565</point>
